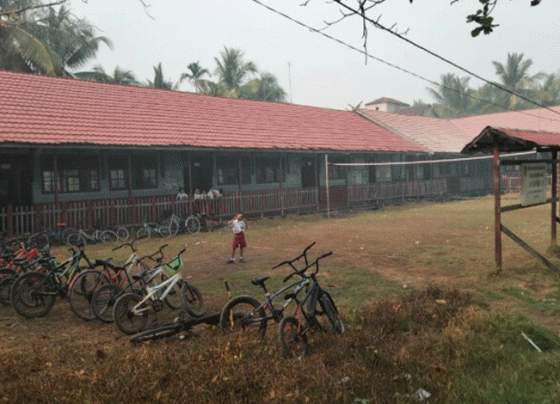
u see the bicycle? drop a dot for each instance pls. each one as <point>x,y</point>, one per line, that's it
<point>246,314</point>
<point>34,294</point>
<point>105,296</point>
<point>80,237</point>
<point>177,224</point>
<point>50,236</point>
<point>149,229</point>
<point>293,331</point>
<point>131,310</point>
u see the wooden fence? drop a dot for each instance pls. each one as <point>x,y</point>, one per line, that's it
<point>105,213</point>
<point>132,212</point>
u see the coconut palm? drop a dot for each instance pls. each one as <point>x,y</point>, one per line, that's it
<point>453,97</point>
<point>232,70</point>
<point>20,48</point>
<point>119,76</point>
<point>159,80</point>
<point>263,88</point>
<point>549,90</point>
<point>514,77</point>
<point>73,40</point>
<point>196,72</point>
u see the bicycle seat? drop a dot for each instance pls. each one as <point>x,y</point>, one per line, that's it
<point>260,281</point>
<point>290,296</point>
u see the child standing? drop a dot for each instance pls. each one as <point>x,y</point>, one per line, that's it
<point>239,227</point>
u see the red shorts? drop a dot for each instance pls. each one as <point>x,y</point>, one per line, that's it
<point>239,240</point>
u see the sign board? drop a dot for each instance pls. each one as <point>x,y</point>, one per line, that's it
<point>534,184</point>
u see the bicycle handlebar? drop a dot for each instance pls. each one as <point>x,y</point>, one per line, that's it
<point>159,251</point>
<point>303,254</point>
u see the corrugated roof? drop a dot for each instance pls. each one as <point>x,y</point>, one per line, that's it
<point>48,110</point>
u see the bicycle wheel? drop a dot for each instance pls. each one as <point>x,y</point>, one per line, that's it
<point>81,292</point>
<point>164,231</point>
<point>172,224</point>
<point>143,233</point>
<point>109,236</point>
<point>122,233</point>
<point>331,312</point>
<point>33,294</point>
<point>164,331</point>
<point>243,314</point>
<point>5,289</point>
<point>174,298</point>
<point>293,339</point>
<point>125,319</point>
<point>76,239</point>
<point>192,224</point>
<point>40,240</point>
<point>103,300</point>
<point>194,303</point>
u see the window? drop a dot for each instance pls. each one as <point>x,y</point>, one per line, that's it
<point>336,172</point>
<point>228,170</point>
<point>117,178</point>
<point>148,178</point>
<point>267,170</point>
<point>382,172</point>
<point>75,173</point>
<point>144,172</point>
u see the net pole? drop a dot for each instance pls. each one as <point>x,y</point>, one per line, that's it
<point>327,185</point>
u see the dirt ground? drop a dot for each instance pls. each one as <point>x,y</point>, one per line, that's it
<point>449,245</point>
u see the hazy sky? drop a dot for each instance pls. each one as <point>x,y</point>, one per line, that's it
<point>323,73</point>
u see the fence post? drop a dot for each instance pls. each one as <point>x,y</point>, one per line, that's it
<point>64,213</point>
<point>10,219</point>
<point>37,217</point>
<point>89,214</point>
<point>154,210</point>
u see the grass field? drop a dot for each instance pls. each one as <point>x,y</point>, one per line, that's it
<point>416,283</point>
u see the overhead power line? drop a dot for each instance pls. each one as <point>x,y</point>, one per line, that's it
<point>318,31</point>
<point>389,30</point>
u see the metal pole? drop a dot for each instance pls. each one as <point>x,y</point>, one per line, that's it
<point>554,196</point>
<point>240,182</point>
<point>497,212</point>
<point>191,196</point>
<point>281,186</point>
<point>327,185</point>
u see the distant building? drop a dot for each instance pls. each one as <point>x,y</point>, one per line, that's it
<point>385,104</point>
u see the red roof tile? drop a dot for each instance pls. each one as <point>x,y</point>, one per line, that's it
<point>509,140</point>
<point>48,110</point>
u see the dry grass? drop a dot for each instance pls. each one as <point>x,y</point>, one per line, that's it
<point>396,274</point>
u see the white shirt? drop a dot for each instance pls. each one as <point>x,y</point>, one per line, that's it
<point>238,226</point>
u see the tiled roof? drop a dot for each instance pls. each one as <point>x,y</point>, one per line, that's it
<point>540,119</point>
<point>48,110</point>
<point>451,135</point>
<point>433,134</point>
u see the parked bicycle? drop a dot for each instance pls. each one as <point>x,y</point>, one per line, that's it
<point>34,294</point>
<point>177,224</point>
<point>81,237</point>
<point>153,229</point>
<point>51,237</point>
<point>294,331</point>
<point>247,315</point>
<point>132,310</point>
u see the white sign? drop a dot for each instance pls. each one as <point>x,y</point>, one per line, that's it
<point>534,184</point>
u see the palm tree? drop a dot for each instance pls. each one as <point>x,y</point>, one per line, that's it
<point>195,76</point>
<point>159,80</point>
<point>515,78</point>
<point>232,70</point>
<point>20,49</point>
<point>453,97</point>
<point>119,76</point>
<point>264,88</point>
<point>73,40</point>
<point>549,90</point>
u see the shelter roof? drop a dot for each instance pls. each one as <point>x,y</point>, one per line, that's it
<point>387,100</point>
<point>511,140</point>
<point>45,110</point>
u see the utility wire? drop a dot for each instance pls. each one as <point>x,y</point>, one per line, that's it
<point>318,31</point>
<point>382,27</point>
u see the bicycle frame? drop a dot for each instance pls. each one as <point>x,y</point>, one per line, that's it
<point>153,291</point>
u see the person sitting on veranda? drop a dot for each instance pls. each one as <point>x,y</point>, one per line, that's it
<point>182,196</point>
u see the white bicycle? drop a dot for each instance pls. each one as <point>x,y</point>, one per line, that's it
<point>132,310</point>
